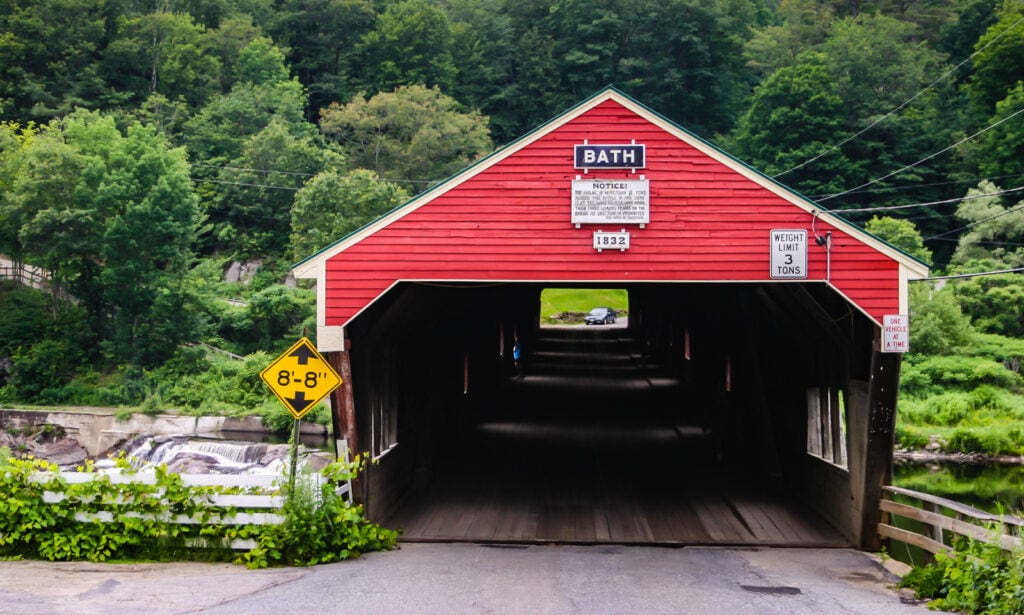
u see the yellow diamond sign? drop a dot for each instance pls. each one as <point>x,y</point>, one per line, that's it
<point>300,378</point>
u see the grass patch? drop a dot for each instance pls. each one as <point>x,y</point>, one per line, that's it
<point>555,303</point>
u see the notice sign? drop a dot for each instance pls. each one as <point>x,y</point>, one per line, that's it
<point>895,333</point>
<point>789,254</point>
<point>611,201</point>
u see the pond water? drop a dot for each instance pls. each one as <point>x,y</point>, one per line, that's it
<point>991,487</point>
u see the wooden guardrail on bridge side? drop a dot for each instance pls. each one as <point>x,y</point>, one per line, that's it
<point>945,519</point>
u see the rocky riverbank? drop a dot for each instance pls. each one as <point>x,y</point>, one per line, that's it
<point>70,437</point>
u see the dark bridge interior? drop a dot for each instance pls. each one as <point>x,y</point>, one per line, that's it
<point>686,426</point>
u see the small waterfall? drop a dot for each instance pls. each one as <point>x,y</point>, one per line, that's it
<point>192,455</point>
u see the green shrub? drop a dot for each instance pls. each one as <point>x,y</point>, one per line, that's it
<point>911,437</point>
<point>986,439</point>
<point>936,374</point>
<point>320,526</point>
<point>977,578</point>
<point>41,371</point>
<point>950,408</point>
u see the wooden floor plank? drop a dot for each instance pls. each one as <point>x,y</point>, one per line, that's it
<point>582,489</point>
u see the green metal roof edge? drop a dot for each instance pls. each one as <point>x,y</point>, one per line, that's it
<point>570,110</point>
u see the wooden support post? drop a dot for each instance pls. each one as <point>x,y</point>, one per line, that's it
<point>343,409</point>
<point>882,393</point>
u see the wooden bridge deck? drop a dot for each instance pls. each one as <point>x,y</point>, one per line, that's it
<point>529,483</point>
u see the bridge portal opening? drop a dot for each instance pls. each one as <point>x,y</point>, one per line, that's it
<point>690,425</point>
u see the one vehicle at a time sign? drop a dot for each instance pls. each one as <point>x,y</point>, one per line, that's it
<point>301,378</point>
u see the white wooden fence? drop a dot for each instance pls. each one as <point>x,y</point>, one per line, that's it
<point>260,506</point>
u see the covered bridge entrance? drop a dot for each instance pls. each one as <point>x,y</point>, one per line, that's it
<point>745,398</point>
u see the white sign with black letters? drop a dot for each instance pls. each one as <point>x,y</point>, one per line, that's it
<point>615,201</point>
<point>789,254</point>
<point>604,240</point>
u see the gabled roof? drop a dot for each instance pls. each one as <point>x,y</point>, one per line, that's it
<point>311,266</point>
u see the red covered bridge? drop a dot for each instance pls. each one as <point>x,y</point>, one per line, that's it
<point>747,400</point>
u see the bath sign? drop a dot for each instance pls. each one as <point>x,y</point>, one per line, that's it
<point>622,156</point>
<point>300,378</point>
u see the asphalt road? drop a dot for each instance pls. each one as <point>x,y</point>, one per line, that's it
<point>463,578</point>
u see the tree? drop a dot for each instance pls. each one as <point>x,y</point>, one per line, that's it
<point>804,25</point>
<point>995,302</point>
<point>227,42</point>
<point>995,232</point>
<point>165,53</point>
<point>795,116</point>
<point>331,205</point>
<point>414,133</point>
<point>484,52</point>
<point>937,324</point>
<point>826,124</point>
<point>257,189</point>
<point>1000,151</point>
<point>683,56</point>
<point>321,38</point>
<point>411,44</point>
<point>48,51</point>
<point>116,217</point>
<point>999,59</point>
<point>900,233</point>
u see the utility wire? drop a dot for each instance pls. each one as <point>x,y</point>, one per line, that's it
<point>926,158</point>
<point>900,107</point>
<point>926,185</point>
<point>217,181</point>
<point>268,171</point>
<point>965,227</point>
<point>928,204</point>
<point>984,243</point>
<point>968,275</point>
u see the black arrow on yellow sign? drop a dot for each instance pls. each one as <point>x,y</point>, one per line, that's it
<point>303,354</point>
<point>299,402</point>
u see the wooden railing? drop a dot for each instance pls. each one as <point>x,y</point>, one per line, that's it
<point>33,277</point>
<point>259,506</point>
<point>942,520</point>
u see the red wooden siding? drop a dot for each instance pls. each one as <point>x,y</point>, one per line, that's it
<point>511,221</point>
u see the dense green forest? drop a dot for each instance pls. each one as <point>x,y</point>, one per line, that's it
<point>147,145</point>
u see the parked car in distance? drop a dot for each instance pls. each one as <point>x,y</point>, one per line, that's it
<point>600,316</point>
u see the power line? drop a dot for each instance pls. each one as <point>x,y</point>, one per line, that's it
<point>217,181</point>
<point>964,228</point>
<point>968,275</point>
<point>927,158</point>
<point>925,185</point>
<point>268,171</point>
<point>969,197</point>
<point>900,107</point>
<point>981,242</point>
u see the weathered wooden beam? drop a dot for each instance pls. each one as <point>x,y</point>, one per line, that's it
<point>877,462</point>
<point>952,524</point>
<point>343,407</point>
<point>910,538</point>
